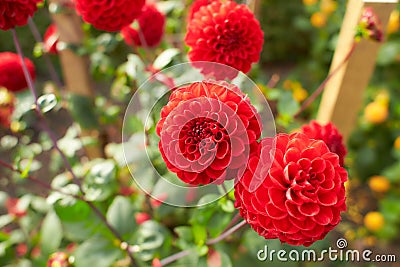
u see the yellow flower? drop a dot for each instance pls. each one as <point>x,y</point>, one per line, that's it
<point>382,98</point>
<point>309,2</point>
<point>300,94</point>
<point>379,184</point>
<point>374,221</point>
<point>6,97</point>
<point>376,112</point>
<point>328,6</point>
<point>318,19</point>
<point>397,143</point>
<point>394,22</point>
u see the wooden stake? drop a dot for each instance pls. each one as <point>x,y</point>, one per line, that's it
<point>75,68</point>
<point>342,97</point>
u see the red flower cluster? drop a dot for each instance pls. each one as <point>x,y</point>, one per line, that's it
<point>151,26</point>
<point>13,208</point>
<point>206,130</point>
<point>298,199</point>
<point>226,33</point>
<point>111,15</point>
<point>196,5</point>
<point>50,39</point>
<point>371,25</point>
<point>58,259</point>
<point>16,12</point>
<point>11,73</point>
<point>7,105</point>
<point>330,135</point>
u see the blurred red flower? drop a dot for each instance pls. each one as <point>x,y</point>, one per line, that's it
<point>16,12</point>
<point>226,33</point>
<point>196,5</point>
<point>50,39</point>
<point>7,105</point>
<point>151,25</point>
<point>21,249</point>
<point>206,131</point>
<point>142,217</point>
<point>11,73</point>
<point>330,135</point>
<point>111,15</point>
<point>13,208</point>
<point>58,259</point>
<point>156,263</point>
<point>300,197</point>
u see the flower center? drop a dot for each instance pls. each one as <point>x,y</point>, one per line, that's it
<point>198,136</point>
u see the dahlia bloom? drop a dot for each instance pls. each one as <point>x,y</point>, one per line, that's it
<point>151,24</point>
<point>196,5</point>
<point>16,12</point>
<point>330,135</point>
<point>7,105</point>
<point>226,33</point>
<point>50,39</point>
<point>370,25</point>
<point>11,73</point>
<point>110,15</point>
<point>207,129</point>
<point>300,197</point>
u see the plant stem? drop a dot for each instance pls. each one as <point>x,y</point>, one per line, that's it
<point>321,88</point>
<point>53,138</point>
<point>210,242</point>
<point>36,34</point>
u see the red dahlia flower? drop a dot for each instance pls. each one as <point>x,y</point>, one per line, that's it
<point>330,135</point>
<point>196,5</point>
<point>50,41</point>
<point>300,196</point>
<point>151,26</point>
<point>206,130</point>
<point>11,73</point>
<point>16,12</point>
<point>226,33</point>
<point>7,101</point>
<point>111,15</point>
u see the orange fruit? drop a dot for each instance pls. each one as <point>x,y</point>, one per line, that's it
<point>376,112</point>
<point>374,221</point>
<point>379,184</point>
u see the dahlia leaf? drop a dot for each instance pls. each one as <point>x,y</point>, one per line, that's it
<point>287,105</point>
<point>165,58</point>
<point>120,214</point>
<point>98,252</point>
<point>51,233</point>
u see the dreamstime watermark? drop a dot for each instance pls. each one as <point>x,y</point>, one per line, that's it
<point>340,253</point>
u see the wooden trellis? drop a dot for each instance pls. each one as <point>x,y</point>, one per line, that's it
<point>343,94</point>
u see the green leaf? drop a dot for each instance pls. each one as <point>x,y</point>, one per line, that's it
<point>152,238</point>
<point>120,215</point>
<point>199,234</point>
<point>5,220</point>
<point>287,105</point>
<point>100,183</point>
<point>83,112</point>
<point>51,233</point>
<point>227,206</point>
<point>96,251</point>
<point>165,58</point>
<point>47,102</point>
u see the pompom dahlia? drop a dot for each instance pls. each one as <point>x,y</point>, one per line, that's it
<point>226,33</point>
<point>300,197</point>
<point>207,129</point>
<point>196,5</point>
<point>16,12</point>
<point>151,24</point>
<point>7,104</point>
<point>50,39</point>
<point>330,135</point>
<point>111,15</point>
<point>11,73</point>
